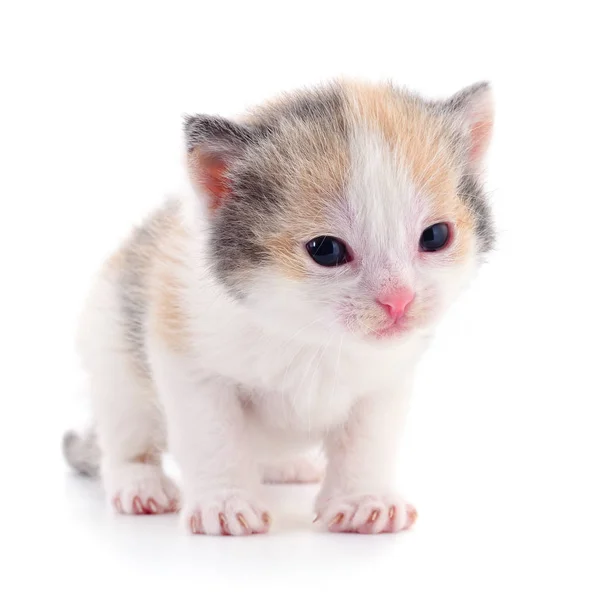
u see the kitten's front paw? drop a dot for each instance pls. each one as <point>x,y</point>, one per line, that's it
<point>365,514</point>
<point>141,489</point>
<point>226,513</point>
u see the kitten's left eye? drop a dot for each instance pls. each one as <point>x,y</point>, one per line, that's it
<point>435,237</point>
<point>328,251</point>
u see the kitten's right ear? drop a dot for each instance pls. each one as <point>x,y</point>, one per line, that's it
<point>212,144</point>
<point>472,112</point>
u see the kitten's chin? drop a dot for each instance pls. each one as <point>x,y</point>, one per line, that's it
<point>393,330</point>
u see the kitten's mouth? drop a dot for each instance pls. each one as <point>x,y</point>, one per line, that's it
<point>392,329</point>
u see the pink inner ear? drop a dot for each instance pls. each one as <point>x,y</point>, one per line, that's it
<point>212,174</point>
<point>480,133</point>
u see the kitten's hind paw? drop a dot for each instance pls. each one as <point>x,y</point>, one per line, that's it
<point>296,470</point>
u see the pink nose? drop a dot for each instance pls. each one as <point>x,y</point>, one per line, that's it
<point>396,302</point>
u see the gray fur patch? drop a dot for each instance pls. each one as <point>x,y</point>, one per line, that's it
<point>472,194</point>
<point>459,100</point>
<point>138,256</point>
<point>132,288</point>
<point>316,107</point>
<point>82,452</point>
<point>216,131</point>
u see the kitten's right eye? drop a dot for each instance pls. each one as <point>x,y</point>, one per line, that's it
<point>435,237</point>
<point>328,251</point>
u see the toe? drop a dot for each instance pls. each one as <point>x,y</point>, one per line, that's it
<point>338,522</point>
<point>411,516</point>
<point>239,525</point>
<point>137,506</point>
<point>152,507</point>
<point>370,517</point>
<point>195,524</point>
<point>117,505</point>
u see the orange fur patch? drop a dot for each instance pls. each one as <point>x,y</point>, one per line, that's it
<point>147,458</point>
<point>167,317</point>
<point>116,261</point>
<point>463,235</point>
<point>417,135</point>
<point>170,321</point>
<point>287,259</point>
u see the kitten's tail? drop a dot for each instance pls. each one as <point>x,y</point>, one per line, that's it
<point>81,452</point>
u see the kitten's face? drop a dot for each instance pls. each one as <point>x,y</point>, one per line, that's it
<point>353,210</point>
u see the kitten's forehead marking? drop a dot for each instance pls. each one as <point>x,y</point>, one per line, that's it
<point>406,173</point>
<point>380,196</point>
<point>416,134</point>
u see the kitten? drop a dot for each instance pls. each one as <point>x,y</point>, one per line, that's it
<point>281,304</point>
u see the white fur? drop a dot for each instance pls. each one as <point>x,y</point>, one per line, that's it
<point>290,368</point>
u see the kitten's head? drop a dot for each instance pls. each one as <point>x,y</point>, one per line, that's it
<point>351,209</point>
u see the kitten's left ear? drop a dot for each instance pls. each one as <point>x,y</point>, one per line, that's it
<point>472,110</point>
<point>213,144</point>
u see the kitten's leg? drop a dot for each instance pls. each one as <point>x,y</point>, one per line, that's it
<point>129,424</point>
<point>209,438</point>
<point>356,495</point>
<point>130,435</point>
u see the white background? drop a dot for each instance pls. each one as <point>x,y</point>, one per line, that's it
<point>498,451</point>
